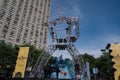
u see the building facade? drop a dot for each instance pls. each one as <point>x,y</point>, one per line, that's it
<point>21,21</point>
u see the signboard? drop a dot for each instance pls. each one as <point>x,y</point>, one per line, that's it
<point>95,70</point>
<point>21,62</point>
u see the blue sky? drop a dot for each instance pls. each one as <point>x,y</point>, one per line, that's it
<point>99,22</point>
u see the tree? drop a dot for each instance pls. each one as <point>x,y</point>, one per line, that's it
<point>101,63</point>
<point>33,54</point>
<point>8,56</point>
<point>90,59</point>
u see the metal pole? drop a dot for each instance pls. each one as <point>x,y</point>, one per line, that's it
<point>88,70</point>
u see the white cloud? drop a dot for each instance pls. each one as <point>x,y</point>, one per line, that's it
<point>99,43</point>
<point>73,10</point>
<point>93,46</point>
<point>94,52</point>
<point>93,49</point>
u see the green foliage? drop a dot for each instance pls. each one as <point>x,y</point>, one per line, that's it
<point>90,59</point>
<point>7,55</point>
<point>101,63</point>
<point>33,54</point>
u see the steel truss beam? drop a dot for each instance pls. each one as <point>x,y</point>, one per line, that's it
<point>61,44</point>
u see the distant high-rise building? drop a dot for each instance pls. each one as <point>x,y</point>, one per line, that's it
<point>21,21</point>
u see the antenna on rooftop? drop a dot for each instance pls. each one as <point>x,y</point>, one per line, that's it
<point>60,10</point>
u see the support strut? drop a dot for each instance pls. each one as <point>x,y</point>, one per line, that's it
<point>72,34</point>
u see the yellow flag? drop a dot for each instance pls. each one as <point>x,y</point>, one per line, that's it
<point>21,62</point>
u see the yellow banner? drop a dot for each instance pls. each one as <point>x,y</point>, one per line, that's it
<point>21,62</point>
<point>116,59</point>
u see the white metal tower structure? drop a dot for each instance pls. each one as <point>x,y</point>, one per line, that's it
<point>69,27</point>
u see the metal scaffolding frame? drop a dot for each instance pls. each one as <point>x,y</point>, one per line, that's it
<point>66,42</point>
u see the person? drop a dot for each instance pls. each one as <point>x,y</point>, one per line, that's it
<point>47,71</point>
<point>57,72</point>
<point>61,59</point>
<point>77,71</point>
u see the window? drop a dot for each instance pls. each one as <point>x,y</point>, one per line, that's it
<point>5,30</point>
<point>11,37</point>
<point>17,40</point>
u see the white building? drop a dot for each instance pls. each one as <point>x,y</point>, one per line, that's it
<point>21,21</point>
